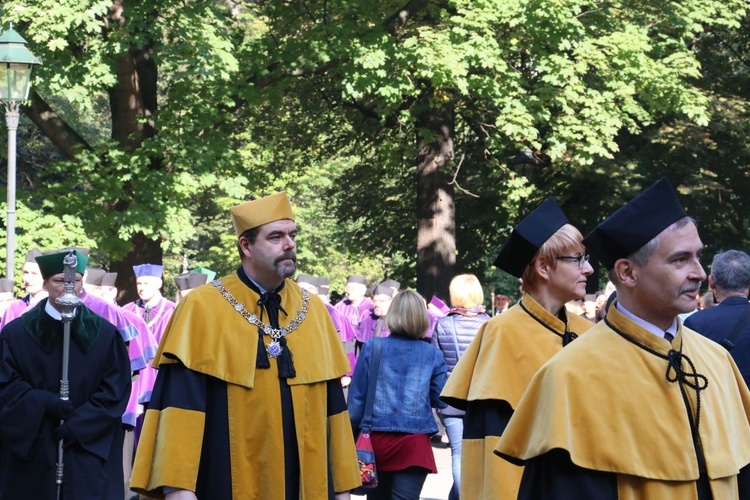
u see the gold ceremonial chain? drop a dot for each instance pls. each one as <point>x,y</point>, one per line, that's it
<point>274,333</point>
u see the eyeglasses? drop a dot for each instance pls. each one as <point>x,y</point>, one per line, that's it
<point>578,259</point>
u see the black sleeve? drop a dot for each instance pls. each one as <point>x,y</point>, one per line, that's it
<point>743,481</point>
<point>553,476</point>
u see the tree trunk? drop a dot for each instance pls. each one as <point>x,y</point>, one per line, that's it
<point>132,99</point>
<point>144,251</point>
<point>436,220</point>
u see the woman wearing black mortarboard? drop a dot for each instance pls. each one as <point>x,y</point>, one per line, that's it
<point>546,252</point>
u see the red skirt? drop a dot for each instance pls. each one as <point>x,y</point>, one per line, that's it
<point>398,451</point>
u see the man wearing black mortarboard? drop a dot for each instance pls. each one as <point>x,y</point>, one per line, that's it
<point>639,407</point>
<point>372,322</point>
<point>547,253</point>
<point>32,280</point>
<point>186,282</point>
<point>248,400</point>
<point>356,302</point>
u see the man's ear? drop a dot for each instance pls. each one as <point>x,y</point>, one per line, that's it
<point>626,272</point>
<point>711,282</point>
<point>245,247</point>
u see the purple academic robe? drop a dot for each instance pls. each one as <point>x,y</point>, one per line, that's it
<point>18,307</point>
<point>346,334</point>
<point>371,326</point>
<point>353,313</point>
<point>137,350</point>
<point>159,315</point>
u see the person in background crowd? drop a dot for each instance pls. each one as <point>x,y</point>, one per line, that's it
<point>155,310</point>
<point>436,309</point>
<point>546,252</point>
<point>372,323</point>
<point>728,323</point>
<point>410,376</point>
<point>502,303</point>
<point>355,304</point>
<point>186,282</point>
<point>33,417</point>
<point>340,323</point>
<point>453,334</point>
<point>589,307</point>
<point>34,285</point>
<point>6,294</point>
<point>601,305</point>
<point>707,300</point>
<point>231,418</point>
<point>141,350</point>
<point>638,407</point>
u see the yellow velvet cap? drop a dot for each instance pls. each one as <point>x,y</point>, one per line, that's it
<point>261,211</point>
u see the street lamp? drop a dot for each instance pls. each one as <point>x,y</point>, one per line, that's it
<point>16,62</point>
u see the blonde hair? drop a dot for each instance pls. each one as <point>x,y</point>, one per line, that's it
<point>466,291</point>
<point>407,315</point>
<point>565,241</point>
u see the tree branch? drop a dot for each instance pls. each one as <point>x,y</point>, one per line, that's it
<point>62,135</point>
<point>455,182</point>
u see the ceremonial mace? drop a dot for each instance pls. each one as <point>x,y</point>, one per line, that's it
<point>68,302</point>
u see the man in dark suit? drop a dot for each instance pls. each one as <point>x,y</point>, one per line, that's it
<point>729,322</point>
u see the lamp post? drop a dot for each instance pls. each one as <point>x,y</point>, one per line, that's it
<point>16,62</point>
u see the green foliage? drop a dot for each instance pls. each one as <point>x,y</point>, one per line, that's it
<point>325,100</point>
<point>43,230</point>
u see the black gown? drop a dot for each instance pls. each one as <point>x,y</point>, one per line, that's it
<point>99,375</point>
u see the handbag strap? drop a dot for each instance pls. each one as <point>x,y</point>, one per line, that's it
<point>372,377</point>
<point>455,338</point>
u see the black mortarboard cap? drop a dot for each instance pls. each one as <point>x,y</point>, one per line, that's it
<point>6,285</point>
<point>109,279</point>
<point>324,285</point>
<point>635,224</point>
<point>94,276</point>
<point>528,236</point>
<point>387,288</point>
<point>393,284</point>
<point>32,254</point>
<point>356,279</point>
<point>189,280</point>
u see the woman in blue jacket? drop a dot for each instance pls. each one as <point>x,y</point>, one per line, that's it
<point>411,374</point>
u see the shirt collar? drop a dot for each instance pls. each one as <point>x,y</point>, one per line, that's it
<point>54,313</point>
<point>645,324</point>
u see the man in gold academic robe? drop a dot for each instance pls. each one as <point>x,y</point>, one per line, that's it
<point>247,403</point>
<point>640,407</point>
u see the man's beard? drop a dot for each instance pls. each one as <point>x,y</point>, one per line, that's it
<point>285,269</point>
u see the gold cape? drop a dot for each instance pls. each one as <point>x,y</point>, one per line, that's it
<point>208,336</point>
<point>607,403</point>
<point>498,365</point>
